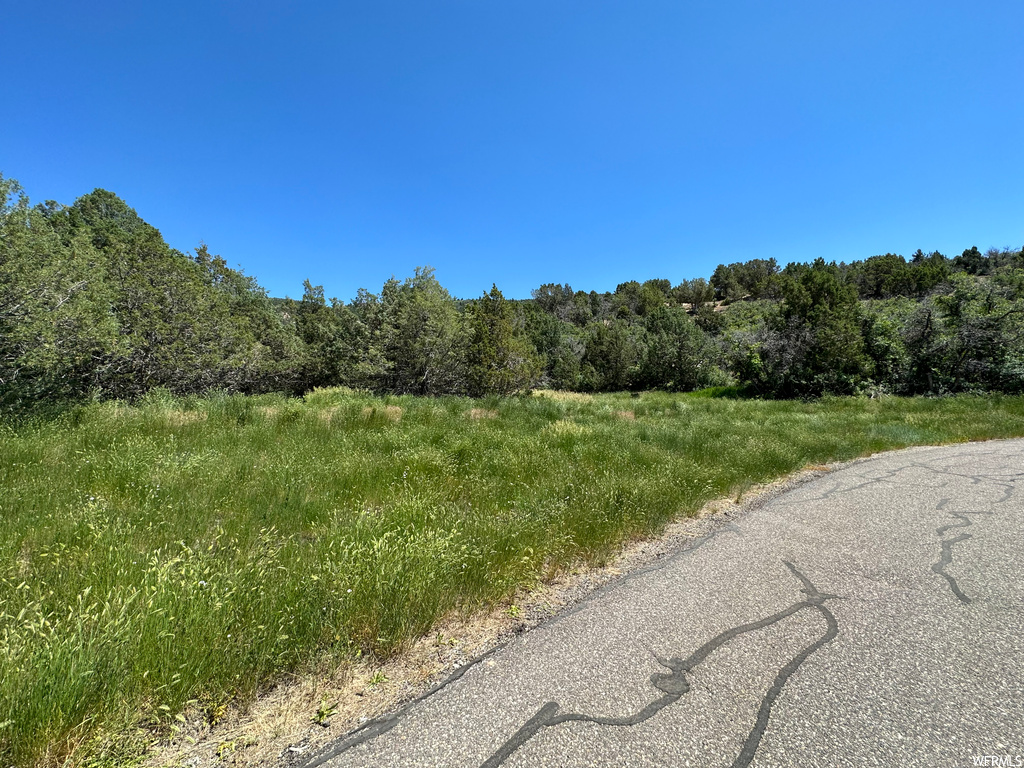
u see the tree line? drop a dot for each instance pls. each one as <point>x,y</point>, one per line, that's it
<point>95,304</point>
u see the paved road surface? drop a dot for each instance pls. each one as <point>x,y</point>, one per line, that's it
<point>874,616</point>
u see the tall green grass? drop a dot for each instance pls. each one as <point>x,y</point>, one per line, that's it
<point>194,550</point>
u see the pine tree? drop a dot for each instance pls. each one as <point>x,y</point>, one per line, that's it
<point>500,359</point>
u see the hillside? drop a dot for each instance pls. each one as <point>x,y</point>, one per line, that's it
<point>95,304</point>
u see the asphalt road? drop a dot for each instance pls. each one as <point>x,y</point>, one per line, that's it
<point>874,616</point>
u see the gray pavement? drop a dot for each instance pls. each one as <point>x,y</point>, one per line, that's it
<point>874,616</point>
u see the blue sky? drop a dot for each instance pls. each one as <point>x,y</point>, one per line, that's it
<point>525,142</point>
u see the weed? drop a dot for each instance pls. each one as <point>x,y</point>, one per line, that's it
<point>441,641</point>
<point>224,749</point>
<point>324,712</point>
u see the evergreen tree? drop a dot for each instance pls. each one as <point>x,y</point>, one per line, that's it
<point>422,337</point>
<point>500,359</point>
<point>817,345</point>
<point>679,355</point>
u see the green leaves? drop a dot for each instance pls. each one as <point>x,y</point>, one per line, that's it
<point>94,304</point>
<point>93,300</point>
<point>500,359</point>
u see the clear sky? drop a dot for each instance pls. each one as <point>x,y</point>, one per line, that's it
<point>524,142</point>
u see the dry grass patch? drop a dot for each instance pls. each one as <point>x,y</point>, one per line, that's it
<point>627,415</point>
<point>567,427</point>
<point>327,414</point>
<point>563,397</point>
<point>392,413</point>
<point>482,413</point>
<point>183,418</point>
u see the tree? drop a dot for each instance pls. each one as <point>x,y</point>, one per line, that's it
<point>756,277</point>
<point>186,324</point>
<point>422,337</point>
<point>679,356</point>
<point>882,277</point>
<point>696,293</point>
<point>611,361</point>
<point>972,261</point>
<point>326,360</point>
<point>551,296</point>
<point>101,305</point>
<point>985,328</point>
<point>817,345</point>
<point>54,317</point>
<point>726,283</point>
<point>745,279</point>
<point>653,295</point>
<point>500,359</point>
<point>627,299</point>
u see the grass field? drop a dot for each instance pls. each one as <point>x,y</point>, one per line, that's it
<point>194,550</point>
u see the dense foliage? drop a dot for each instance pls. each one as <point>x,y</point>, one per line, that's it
<point>94,304</point>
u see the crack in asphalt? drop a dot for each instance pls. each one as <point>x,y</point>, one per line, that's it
<point>674,684</point>
<point>868,480</point>
<point>379,726</point>
<point>1007,493</point>
<point>946,558</point>
<point>1006,481</point>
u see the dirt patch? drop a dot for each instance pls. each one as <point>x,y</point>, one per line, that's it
<point>299,717</point>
